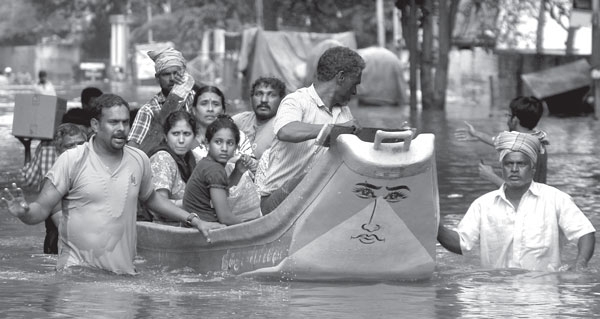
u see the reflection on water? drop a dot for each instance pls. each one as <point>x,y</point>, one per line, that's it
<point>458,288</point>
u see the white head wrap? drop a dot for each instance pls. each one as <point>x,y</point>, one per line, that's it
<point>166,58</point>
<point>507,142</point>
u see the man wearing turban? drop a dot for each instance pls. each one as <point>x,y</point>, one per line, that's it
<point>520,224</point>
<point>175,94</point>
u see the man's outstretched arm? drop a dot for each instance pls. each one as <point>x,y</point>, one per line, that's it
<point>449,239</point>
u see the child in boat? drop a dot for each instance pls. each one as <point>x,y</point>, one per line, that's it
<point>525,113</point>
<point>208,188</point>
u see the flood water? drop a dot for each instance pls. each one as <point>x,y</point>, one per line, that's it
<point>459,288</point>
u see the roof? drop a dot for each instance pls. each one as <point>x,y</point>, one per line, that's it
<point>560,79</point>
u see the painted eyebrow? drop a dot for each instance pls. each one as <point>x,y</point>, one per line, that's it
<point>394,188</point>
<point>368,185</point>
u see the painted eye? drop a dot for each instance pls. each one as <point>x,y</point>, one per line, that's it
<point>394,196</point>
<point>364,192</point>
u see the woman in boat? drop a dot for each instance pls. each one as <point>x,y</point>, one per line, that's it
<point>207,190</point>
<point>172,162</point>
<point>209,102</point>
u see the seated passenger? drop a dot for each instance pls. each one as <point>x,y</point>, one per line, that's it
<point>301,117</point>
<point>266,94</point>
<point>209,102</point>
<point>172,162</point>
<point>208,188</point>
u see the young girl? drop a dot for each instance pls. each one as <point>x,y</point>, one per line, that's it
<point>207,190</point>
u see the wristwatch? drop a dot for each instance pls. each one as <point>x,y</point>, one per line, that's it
<point>191,217</point>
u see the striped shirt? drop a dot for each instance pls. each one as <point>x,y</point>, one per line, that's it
<point>141,124</point>
<point>33,172</point>
<point>287,159</point>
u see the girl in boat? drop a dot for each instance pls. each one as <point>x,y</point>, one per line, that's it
<point>172,162</point>
<point>209,102</point>
<point>208,189</point>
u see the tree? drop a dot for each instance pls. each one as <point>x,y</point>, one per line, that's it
<point>434,61</point>
<point>560,11</point>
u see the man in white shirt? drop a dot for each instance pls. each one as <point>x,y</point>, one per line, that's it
<point>44,86</point>
<point>521,224</point>
<point>301,117</point>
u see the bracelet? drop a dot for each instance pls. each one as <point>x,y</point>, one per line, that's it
<point>191,217</point>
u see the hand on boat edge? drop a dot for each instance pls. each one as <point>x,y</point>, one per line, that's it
<point>205,227</point>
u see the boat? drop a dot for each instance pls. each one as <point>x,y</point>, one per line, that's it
<point>368,210</point>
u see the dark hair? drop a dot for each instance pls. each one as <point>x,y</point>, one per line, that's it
<point>42,74</point>
<point>273,82</point>
<point>104,101</point>
<point>88,93</point>
<point>68,129</point>
<point>337,59</point>
<point>208,88</point>
<point>176,116</point>
<point>222,121</point>
<point>528,110</point>
<point>77,116</point>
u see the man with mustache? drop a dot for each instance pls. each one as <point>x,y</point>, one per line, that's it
<point>266,94</point>
<point>99,184</point>
<point>522,224</point>
<point>303,116</point>
<point>175,94</point>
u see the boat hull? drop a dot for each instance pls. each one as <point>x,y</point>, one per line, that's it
<point>360,214</point>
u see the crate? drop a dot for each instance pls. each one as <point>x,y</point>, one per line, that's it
<point>37,116</point>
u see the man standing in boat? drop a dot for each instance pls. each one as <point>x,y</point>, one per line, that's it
<point>521,224</point>
<point>175,94</point>
<point>304,115</point>
<point>265,95</point>
<point>99,184</point>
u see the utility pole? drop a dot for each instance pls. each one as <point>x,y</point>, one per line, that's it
<point>596,55</point>
<point>258,5</point>
<point>380,24</point>
<point>412,47</point>
<point>149,16</point>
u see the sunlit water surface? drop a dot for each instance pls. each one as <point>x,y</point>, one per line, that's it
<point>30,288</point>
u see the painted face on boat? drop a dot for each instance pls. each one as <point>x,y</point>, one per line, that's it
<point>391,194</point>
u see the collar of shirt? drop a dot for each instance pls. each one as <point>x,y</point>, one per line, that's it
<point>534,189</point>
<point>317,99</point>
<point>161,98</point>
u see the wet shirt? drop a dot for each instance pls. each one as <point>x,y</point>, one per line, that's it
<point>527,237</point>
<point>291,159</point>
<point>142,121</point>
<point>207,174</point>
<point>97,228</point>
<point>260,136</point>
